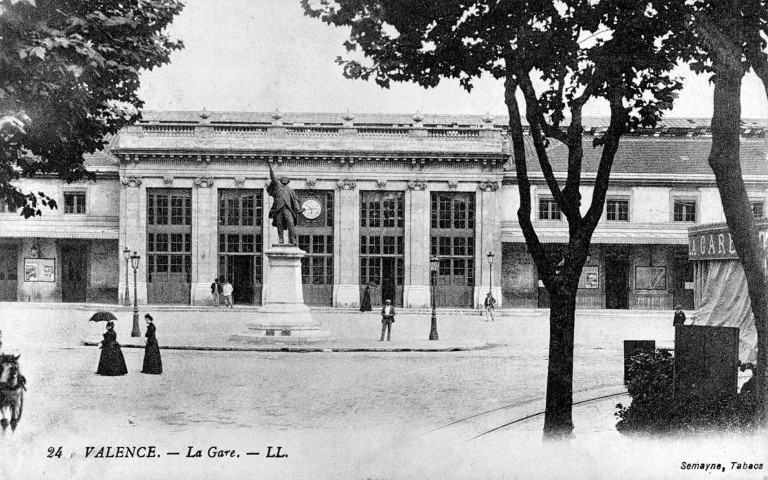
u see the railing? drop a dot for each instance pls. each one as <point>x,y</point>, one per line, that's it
<point>312,130</point>
<point>169,129</point>
<point>449,133</point>
<point>382,132</point>
<point>240,130</point>
<point>443,133</point>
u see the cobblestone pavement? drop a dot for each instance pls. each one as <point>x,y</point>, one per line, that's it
<point>336,415</point>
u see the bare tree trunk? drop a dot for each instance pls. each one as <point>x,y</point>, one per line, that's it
<point>726,165</point>
<point>558,420</point>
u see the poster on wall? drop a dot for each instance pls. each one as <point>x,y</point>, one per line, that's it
<point>589,278</point>
<point>39,269</point>
<point>650,278</point>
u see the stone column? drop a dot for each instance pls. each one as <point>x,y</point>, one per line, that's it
<point>417,245</point>
<point>346,289</point>
<point>268,235</point>
<point>136,233</point>
<point>488,239</point>
<point>122,243</point>
<point>204,240</point>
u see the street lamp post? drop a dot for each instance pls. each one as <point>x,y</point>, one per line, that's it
<point>135,264</point>
<point>490,273</point>
<point>433,264</point>
<point>127,295</point>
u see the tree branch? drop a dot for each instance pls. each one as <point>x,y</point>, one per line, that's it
<point>521,169</point>
<point>533,114</point>
<point>533,108</point>
<point>618,124</point>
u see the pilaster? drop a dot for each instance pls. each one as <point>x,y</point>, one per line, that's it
<point>205,242</point>
<point>346,292</point>
<point>416,293</point>
<point>488,238</point>
<point>135,237</point>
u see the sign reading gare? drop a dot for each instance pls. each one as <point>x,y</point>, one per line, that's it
<point>714,242</point>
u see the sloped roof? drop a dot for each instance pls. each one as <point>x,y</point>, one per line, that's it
<point>651,155</point>
<point>102,158</point>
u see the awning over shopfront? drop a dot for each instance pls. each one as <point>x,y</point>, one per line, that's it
<point>637,235</point>
<point>721,285</point>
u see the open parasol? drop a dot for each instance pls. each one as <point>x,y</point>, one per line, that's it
<point>102,317</point>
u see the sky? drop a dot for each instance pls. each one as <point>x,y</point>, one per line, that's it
<point>262,55</point>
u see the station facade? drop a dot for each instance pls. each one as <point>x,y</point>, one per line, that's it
<point>381,194</point>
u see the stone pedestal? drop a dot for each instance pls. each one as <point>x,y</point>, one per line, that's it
<point>283,315</point>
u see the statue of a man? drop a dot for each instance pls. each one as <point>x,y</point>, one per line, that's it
<point>285,207</point>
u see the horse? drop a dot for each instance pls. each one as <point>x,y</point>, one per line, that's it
<point>12,386</point>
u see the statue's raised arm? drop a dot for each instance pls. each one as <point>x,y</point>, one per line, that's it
<point>272,174</point>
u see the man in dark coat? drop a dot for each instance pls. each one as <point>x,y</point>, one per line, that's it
<point>387,319</point>
<point>285,207</point>
<point>679,317</point>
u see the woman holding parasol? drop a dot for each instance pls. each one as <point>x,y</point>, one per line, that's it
<point>111,362</point>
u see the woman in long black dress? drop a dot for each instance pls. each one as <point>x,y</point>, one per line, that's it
<point>365,305</point>
<point>152,362</point>
<point>112,362</point>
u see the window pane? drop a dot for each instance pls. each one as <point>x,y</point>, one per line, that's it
<point>150,209</point>
<point>459,246</point>
<point>177,210</point>
<point>176,263</point>
<point>389,245</point>
<point>233,243</point>
<point>162,209</point>
<point>233,211</point>
<point>222,210</point>
<point>684,211</point>
<point>161,242</point>
<point>304,243</point>
<point>445,246</point>
<point>247,246</point>
<point>543,209</point>
<point>161,263</point>
<point>177,242</point>
<point>318,244</point>
<point>248,210</point>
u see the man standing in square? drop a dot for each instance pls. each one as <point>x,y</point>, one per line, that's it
<point>387,319</point>
<point>490,305</point>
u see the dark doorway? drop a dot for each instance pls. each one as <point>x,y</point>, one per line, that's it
<point>616,280</point>
<point>387,280</point>
<point>8,273</point>
<point>242,269</point>
<point>682,273</point>
<point>74,273</point>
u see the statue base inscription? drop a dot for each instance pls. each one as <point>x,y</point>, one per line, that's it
<point>283,316</point>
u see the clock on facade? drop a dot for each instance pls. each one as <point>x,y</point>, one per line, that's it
<point>311,209</point>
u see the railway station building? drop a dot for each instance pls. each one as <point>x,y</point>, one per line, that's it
<point>382,193</point>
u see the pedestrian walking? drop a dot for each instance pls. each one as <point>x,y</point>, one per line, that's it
<point>111,362</point>
<point>679,316</point>
<point>153,364</point>
<point>226,291</point>
<point>365,305</point>
<point>216,292</point>
<point>490,305</point>
<point>387,319</point>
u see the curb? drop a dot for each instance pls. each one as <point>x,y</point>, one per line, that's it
<point>305,349</point>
